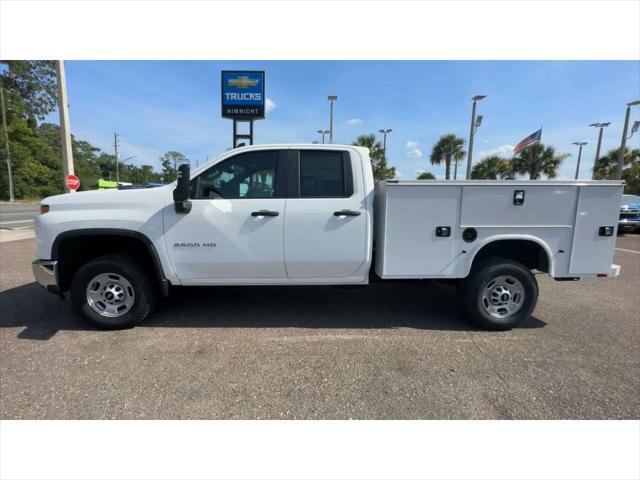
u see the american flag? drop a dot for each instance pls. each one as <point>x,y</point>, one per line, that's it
<point>531,139</point>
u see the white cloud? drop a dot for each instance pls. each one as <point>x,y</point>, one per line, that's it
<point>419,171</point>
<point>354,121</point>
<point>398,174</point>
<point>502,150</point>
<point>413,149</point>
<point>269,104</point>
<point>414,153</point>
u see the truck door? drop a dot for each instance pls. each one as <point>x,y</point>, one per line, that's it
<point>235,227</point>
<point>325,220</point>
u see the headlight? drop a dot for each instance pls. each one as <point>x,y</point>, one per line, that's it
<point>44,209</point>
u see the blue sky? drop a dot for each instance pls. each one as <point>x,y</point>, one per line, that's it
<point>157,106</point>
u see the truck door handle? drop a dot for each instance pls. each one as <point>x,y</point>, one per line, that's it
<point>346,213</point>
<point>265,213</point>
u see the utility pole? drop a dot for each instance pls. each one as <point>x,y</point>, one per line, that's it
<point>384,141</point>
<point>331,98</point>
<point>474,127</point>
<point>601,127</point>
<point>580,145</point>
<point>6,145</point>
<point>623,143</point>
<point>65,128</point>
<point>115,146</point>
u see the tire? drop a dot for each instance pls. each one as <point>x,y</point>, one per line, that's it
<point>113,292</point>
<point>499,294</point>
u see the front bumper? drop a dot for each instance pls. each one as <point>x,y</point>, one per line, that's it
<point>628,223</point>
<point>46,274</point>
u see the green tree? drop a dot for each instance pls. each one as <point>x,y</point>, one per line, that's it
<point>426,176</point>
<point>607,168</point>
<point>537,160</point>
<point>170,162</point>
<point>84,156</point>
<point>493,168</point>
<point>631,176</point>
<point>30,87</point>
<point>448,149</point>
<point>376,154</point>
<point>106,164</point>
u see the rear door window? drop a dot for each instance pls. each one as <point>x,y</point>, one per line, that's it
<point>324,174</point>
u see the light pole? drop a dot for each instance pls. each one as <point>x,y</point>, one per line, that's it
<point>580,145</point>
<point>473,129</point>
<point>601,127</point>
<point>384,141</point>
<point>323,133</point>
<point>624,138</point>
<point>331,98</point>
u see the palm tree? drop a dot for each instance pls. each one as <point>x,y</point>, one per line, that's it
<point>448,149</point>
<point>376,154</point>
<point>493,168</point>
<point>607,165</point>
<point>537,160</point>
<point>426,176</point>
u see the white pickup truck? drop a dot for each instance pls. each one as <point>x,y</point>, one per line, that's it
<point>311,215</point>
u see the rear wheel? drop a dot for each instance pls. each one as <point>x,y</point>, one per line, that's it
<point>113,292</point>
<point>499,294</point>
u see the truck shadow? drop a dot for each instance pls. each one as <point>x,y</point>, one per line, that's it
<point>428,306</point>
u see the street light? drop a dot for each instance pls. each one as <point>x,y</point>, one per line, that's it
<point>624,138</point>
<point>601,127</point>
<point>331,98</point>
<point>580,145</point>
<point>384,142</point>
<point>323,132</point>
<point>472,131</point>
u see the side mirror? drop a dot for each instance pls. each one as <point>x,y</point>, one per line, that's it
<point>181,192</point>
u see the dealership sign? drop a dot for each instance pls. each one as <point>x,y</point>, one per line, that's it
<point>243,95</point>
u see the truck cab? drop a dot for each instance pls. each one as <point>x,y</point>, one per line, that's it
<point>275,215</point>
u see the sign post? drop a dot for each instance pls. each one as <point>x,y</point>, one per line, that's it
<point>65,129</point>
<point>243,100</point>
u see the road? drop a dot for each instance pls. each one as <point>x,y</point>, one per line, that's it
<point>18,215</point>
<point>387,351</point>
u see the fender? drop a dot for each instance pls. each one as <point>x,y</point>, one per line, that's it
<point>496,238</point>
<point>164,283</point>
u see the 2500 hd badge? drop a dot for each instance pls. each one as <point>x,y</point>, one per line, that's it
<point>193,244</point>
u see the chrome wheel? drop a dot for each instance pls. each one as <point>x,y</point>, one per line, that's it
<point>110,295</point>
<point>503,296</point>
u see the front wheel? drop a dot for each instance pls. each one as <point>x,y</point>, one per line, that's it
<point>499,294</point>
<point>113,292</point>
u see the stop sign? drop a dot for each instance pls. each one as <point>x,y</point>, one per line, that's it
<point>72,182</point>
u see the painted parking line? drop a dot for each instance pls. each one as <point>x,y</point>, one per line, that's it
<point>17,214</point>
<point>16,221</point>
<point>628,251</point>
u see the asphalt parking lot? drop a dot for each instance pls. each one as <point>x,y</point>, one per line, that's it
<point>387,351</point>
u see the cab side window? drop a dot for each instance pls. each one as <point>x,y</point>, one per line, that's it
<point>325,173</point>
<point>247,175</point>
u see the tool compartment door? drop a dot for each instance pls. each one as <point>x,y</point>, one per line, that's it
<point>592,253</point>
<point>411,247</point>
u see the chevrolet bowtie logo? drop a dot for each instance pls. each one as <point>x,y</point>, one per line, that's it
<point>242,82</point>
